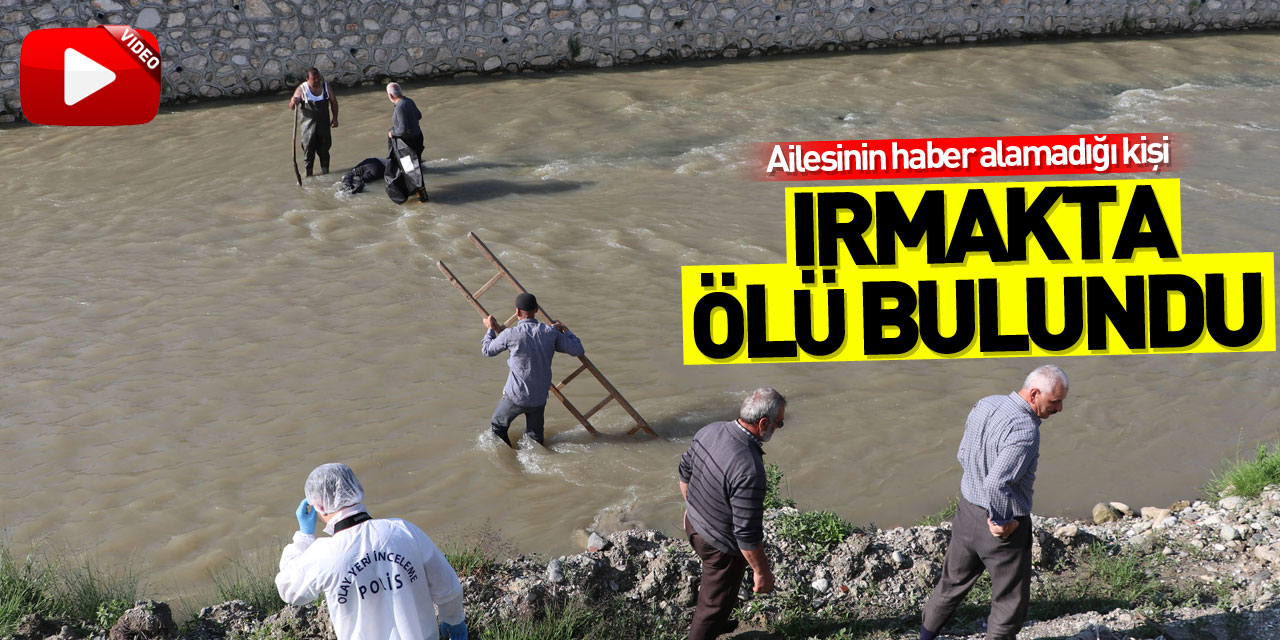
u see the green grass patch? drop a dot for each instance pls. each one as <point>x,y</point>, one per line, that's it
<point>772,483</point>
<point>816,532</point>
<point>580,620</point>
<point>467,559</point>
<point>477,551</point>
<point>942,515</point>
<point>88,589</point>
<point>1096,578</point>
<point>252,580</point>
<point>26,586</point>
<point>59,584</point>
<point>1246,477</point>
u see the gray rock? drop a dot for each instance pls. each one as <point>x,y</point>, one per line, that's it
<point>1103,512</point>
<point>1229,533</point>
<point>148,18</point>
<point>1155,513</point>
<point>1123,508</point>
<point>307,621</point>
<point>34,625</point>
<point>1267,553</point>
<point>1231,503</point>
<point>596,543</point>
<point>257,9</point>
<point>145,621</point>
<point>555,574</point>
<point>821,585</point>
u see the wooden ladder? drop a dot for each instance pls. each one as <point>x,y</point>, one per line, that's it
<point>504,274</point>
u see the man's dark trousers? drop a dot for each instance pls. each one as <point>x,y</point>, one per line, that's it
<point>972,550</point>
<point>507,411</point>
<point>718,592</point>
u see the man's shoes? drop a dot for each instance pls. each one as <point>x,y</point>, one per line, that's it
<point>422,195</point>
<point>728,627</point>
<point>503,437</point>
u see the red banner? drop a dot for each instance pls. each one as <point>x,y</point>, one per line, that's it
<point>140,45</point>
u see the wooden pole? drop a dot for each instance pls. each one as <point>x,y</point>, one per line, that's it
<point>296,174</point>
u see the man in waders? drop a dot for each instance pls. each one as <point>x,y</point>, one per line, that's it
<point>316,100</point>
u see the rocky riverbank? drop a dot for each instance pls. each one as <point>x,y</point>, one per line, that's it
<point>1195,569</point>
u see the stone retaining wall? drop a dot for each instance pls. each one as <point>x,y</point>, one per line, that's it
<point>225,48</point>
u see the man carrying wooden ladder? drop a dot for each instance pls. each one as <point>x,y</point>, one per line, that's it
<point>532,345</point>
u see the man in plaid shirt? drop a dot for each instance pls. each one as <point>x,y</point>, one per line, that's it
<point>992,526</point>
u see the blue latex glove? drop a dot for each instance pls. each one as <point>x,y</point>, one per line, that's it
<point>306,518</point>
<point>453,631</point>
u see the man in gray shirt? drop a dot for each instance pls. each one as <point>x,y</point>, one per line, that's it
<point>723,483</point>
<point>992,526</point>
<point>404,120</point>
<point>532,345</point>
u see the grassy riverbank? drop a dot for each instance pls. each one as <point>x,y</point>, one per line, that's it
<point>835,580</point>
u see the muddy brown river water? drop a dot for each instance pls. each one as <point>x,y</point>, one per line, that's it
<point>186,333</point>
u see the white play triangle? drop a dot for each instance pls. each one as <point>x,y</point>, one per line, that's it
<point>82,76</point>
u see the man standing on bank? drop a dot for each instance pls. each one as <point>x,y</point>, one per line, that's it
<point>992,526</point>
<point>380,578</point>
<point>723,483</point>
<point>316,100</point>
<point>532,345</point>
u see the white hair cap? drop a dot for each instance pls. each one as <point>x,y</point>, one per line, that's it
<point>333,486</point>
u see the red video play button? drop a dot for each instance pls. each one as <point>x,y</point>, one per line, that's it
<point>107,75</point>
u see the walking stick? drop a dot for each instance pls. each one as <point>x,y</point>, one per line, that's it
<point>296,173</point>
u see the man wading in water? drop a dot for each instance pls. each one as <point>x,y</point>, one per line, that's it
<point>316,100</point>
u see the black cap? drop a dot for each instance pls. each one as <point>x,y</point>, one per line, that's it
<point>526,302</point>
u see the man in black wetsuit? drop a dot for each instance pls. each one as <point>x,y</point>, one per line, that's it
<point>316,100</point>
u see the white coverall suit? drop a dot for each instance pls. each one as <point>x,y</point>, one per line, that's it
<point>382,579</point>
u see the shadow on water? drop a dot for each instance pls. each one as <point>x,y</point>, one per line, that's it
<point>480,190</point>
<point>470,166</point>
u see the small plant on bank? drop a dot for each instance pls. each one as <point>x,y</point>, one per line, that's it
<point>1246,478</point>
<point>944,514</point>
<point>772,482</point>
<point>815,532</point>
<point>477,551</point>
<point>109,613</point>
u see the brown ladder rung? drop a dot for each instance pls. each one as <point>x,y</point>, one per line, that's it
<point>596,408</point>
<point>574,411</point>
<point>492,281</point>
<point>571,376</point>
